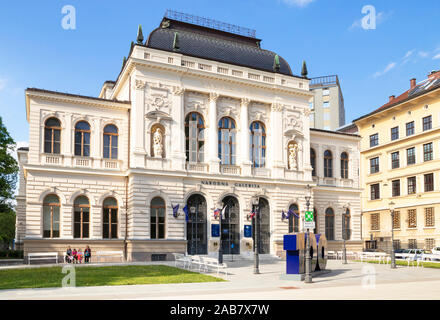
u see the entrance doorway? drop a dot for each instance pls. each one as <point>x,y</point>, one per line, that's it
<point>264,227</point>
<point>230,226</point>
<point>196,227</point>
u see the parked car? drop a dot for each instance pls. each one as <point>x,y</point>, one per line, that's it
<point>409,254</point>
<point>436,250</point>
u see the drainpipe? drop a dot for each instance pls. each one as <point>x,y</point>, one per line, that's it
<point>126,177</point>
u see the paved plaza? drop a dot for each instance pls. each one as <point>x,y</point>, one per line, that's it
<point>345,282</point>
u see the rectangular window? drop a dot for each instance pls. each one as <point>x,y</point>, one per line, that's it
<point>396,188</point>
<point>394,133</point>
<point>395,160</point>
<point>429,243</point>
<point>375,221</point>
<point>375,194</point>
<point>410,128</point>
<point>429,217</point>
<point>428,153</point>
<point>326,116</point>
<point>374,165</point>
<point>397,245</point>
<point>412,244</point>
<point>396,220</point>
<point>411,156</point>
<point>326,105</point>
<point>412,185</point>
<point>412,218</point>
<point>427,123</point>
<point>374,140</point>
<point>325,92</point>
<point>429,182</point>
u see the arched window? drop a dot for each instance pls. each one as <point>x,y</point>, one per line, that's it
<point>329,224</point>
<point>313,161</point>
<point>258,144</point>
<point>195,137</point>
<point>81,217</point>
<point>226,141</point>
<point>293,220</point>
<point>110,219</point>
<point>328,164</point>
<point>110,142</point>
<point>344,165</point>
<point>157,219</point>
<point>346,231</point>
<point>52,136</point>
<point>82,139</point>
<point>51,216</point>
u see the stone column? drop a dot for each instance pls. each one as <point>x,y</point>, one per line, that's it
<point>137,118</point>
<point>277,148</point>
<point>178,129</point>
<point>214,161</point>
<point>246,163</point>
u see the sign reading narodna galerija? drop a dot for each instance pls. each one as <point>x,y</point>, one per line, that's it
<point>226,184</point>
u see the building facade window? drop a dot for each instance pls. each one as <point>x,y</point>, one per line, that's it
<point>52,136</point>
<point>330,224</point>
<point>412,218</point>
<point>374,165</point>
<point>195,137</point>
<point>374,140</point>
<point>81,218</point>
<point>227,141</point>
<point>397,244</point>
<point>410,128</point>
<point>412,243</point>
<point>375,193</point>
<point>328,164</point>
<point>429,244</point>
<point>395,160</point>
<point>428,153</point>
<point>326,105</point>
<point>110,142</point>
<point>394,133</point>
<point>429,182</point>
<point>411,156</point>
<point>429,217</point>
<point>396,220</point>
<point>82,139</point>
<point>375,221</point>
<point>110,219</point>
<point>157,218</point>
<point>344,165</point>
<point>313,161</point>
<point>412,185</point>
<point>427,123</point>
<point>396,188</point>
<point>51,216</point>
<point>294,220</point>
<point>258,144</point>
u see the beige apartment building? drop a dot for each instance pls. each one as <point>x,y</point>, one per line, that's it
<point>400,169</point>
<point>327,106</point>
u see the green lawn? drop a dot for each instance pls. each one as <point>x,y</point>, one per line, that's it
<point>49,277</point>
<point>405,263</point>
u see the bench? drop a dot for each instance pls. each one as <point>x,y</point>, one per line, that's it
<point>104,254</point>
<point>42,256</point>
<point>380,256</point>
<point>181,258</point>
<point>213,263</point>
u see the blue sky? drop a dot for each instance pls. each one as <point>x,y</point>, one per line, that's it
<point>35,51</point>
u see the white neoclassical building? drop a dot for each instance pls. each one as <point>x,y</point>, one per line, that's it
<point>198,118</point>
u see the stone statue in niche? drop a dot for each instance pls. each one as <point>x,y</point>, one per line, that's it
<point>293,155</point>
<point>157,143</point>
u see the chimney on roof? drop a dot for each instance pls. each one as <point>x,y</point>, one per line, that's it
<point>392,98</point>
<point>413,82</point>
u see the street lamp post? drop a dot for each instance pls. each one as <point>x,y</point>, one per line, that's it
<point>256,210</point>
<point>344,232</point>
<point>393,256</point>
<point>220,249</point>
<point>308,278</point>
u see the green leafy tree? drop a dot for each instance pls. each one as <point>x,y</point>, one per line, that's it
<point>8,182</point>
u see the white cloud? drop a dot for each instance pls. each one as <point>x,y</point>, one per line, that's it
<point>380,18</point>
<point>436,57</point>
<point>388,68</point>
<point>423,54</point>
<point>298,3</point>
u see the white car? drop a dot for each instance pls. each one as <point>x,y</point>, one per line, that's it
<point>436,250</point>
<point>409,254</point>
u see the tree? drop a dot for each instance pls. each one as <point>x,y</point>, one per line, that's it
<point>7,224</point>
<point>8,166</point>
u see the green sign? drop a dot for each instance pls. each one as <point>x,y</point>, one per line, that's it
<point>309,216</point>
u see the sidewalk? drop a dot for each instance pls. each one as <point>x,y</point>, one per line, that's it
<point>352,281</point>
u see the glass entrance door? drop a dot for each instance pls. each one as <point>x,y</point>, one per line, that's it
<point>196,230</point>
<point>264,223</point>
<point>230,226</point>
